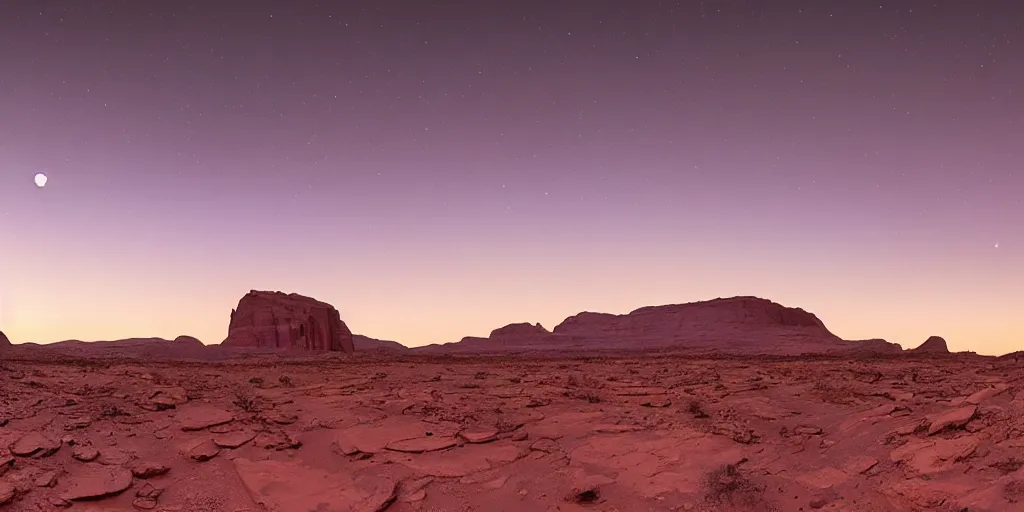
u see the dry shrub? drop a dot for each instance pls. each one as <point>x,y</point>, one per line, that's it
<point>727,485</point>
<point>583,394</point>
<point>246,402</point>
<point>697,409</point>
<point>584,381</point>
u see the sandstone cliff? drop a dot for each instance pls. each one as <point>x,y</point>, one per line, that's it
<point>276,320</point>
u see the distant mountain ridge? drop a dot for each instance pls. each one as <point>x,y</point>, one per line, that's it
<point>743,325</point>
<point>734,325</point>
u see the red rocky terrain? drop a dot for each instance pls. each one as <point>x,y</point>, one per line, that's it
<point>417,433</point>
<point>700,407</point>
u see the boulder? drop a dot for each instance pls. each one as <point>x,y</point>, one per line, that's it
<point>933,345</point>
<point>287,321</point>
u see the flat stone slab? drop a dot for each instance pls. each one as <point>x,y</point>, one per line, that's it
<point>34,444</point>
<point>94,481</point>
<point>479,436</point>
<point>233,439</point>
<point>952,419</point>
<point>200,417</point>
<point>203,451</point>
<point>285,486</point>
<point>422,444</point>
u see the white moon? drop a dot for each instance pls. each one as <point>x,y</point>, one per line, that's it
<point>40,180</point>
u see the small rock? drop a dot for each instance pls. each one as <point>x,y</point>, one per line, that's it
<point>34,444</point>
<point>807,430</point>
<point>860,464</point>
<point>276,441</point>
<point>78,423</point>
<point>422,444</point>
<point>412,491</point>
<point>657,403</point>
<point>149,491</point>
<point>7,493</point>
<point>545,445</point>
<point>479,436</point>
<point>58,502</point>
<point>200,417</point>
<point>233,439</point>
<point>94,481</point>
<point>985,394</point>
<point>520,435</point>
<point>203,451</point>
<point>85,453</point>
<point>497,483</point>
<point>952,419</point>
<point>47,479</point>
<point>144,503</point>
<point>147,469</point>
<point>819,502</point>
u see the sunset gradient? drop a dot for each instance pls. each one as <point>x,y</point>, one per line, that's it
<point>439,171</point>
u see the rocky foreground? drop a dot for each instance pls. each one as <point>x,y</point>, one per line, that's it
<point>647,434</point>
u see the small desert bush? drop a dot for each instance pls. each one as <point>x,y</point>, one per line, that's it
<point>584,381</point>
<point>583,394</point>
<point>697,409</point>
<point>246,402</point>
<point>728,485</point>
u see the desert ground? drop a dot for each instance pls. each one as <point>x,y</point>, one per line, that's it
<point>513,434</point>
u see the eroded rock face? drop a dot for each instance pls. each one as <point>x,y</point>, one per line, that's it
<point>4,342</point>
<point>670,319</point>
<point>276,320</point>
<point>933,345</point>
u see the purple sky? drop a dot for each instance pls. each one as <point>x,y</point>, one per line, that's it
<point>439,169</point>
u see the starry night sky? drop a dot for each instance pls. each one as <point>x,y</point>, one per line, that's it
<point>440,169</point>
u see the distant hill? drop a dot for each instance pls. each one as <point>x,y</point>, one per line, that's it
<point>365,343</point>
<point>736,325</point>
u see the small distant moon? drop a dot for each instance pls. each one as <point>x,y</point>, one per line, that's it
<point>997,245</point>
<point>40,180</point>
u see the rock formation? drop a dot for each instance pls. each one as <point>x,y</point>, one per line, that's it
<point>519,331</point>
<point>932,345</point>
<point>276,320</point>
<point>4,342</point>
<point>737,325</point>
